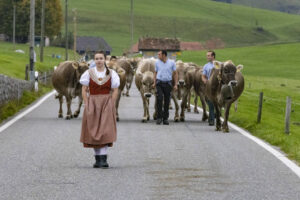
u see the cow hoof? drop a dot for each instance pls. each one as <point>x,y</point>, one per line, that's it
<point>68,117</point>
<point>144,120</point>
<point>118,119</point>
<point>182,119</point>
<point>148,118</point>
<point>218,129</point>
<point>176,119</point>
<point>225,130</point>
<point>196,111</point>
<point>189,110</point>
<point>76,114</point>
<point>204,118</point>
<point>60,116</point>
<point>127,95</point>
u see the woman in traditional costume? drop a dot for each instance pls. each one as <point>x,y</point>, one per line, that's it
<point>99,93</point>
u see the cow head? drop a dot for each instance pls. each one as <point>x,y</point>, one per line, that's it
<point>227,72</point>
<point>134,62</point>
<point>80,68</point>
<point>180,68</point>
<point>147,84</point>
<point>226,77</point>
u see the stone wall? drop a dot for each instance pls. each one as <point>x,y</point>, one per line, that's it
<point>12,89</point>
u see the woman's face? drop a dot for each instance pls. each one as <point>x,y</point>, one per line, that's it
<point>99,59</point>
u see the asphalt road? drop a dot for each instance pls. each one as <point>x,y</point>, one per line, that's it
<point>41,158</point>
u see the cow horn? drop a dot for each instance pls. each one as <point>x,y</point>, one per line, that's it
<point>75,65</point>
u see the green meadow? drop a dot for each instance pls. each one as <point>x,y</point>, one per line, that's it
<point>275,71</point>
<point>189,20</point>
<point>13,64</point>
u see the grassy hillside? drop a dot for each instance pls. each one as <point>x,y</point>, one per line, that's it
<point>189,20</point>
<point>274,70</point>
<point>13,64</point>
<point>289,6</point>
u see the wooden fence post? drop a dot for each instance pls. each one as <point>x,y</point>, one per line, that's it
<point>26,72</point>
<point>261,95</point>
<point>288,114</point>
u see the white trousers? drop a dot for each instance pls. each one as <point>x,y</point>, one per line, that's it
<point>101,151</point>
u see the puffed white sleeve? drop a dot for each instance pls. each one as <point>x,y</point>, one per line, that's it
<point>85,78</point>
<point>115,80</point>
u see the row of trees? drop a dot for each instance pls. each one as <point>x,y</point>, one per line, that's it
<point>53,18</point>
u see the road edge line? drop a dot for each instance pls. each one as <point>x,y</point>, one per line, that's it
<point>285,160</point>
<point>25,112</point>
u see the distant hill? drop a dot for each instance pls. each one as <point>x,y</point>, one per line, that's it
<point>288,6</point>
<point>189,20</point>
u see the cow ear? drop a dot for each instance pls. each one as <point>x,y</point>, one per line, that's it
<point>239,68</point>
<point>217,64</point>
<point>75,65</point>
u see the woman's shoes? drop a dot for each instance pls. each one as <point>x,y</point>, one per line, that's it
<point>101,161</point>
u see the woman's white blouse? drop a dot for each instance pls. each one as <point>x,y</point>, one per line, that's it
<point>115,80</point>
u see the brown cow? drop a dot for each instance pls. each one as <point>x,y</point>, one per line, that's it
<point>144,79</point>
<point>122,75</point>
<point>129,72</point>
<point>225,85</point>
<point>199,88</point>
<point>65,80</point>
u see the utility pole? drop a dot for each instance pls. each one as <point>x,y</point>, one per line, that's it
<point>131,28</point>
<point>31,38</point>
<point>14,26</point>
<point>42,32</point>
<point>75,30</point>
<point>66,30</point>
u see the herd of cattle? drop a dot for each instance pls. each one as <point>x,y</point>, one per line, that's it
<point>224,87</point>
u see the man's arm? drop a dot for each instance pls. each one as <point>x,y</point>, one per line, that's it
<point>176,80</point>
<point>204,78</point>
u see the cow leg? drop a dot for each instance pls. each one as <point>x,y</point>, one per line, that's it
<point>225,122</point>
<point>145,108</point>
<point>76,113</point>
<point>69,112</point>
<point>188,105</point>
<point>176,118</point>
<point>148,115</point>
<point>129,85</point>
<point>218,117</point>
<point>203,103</point>
<point>117,104</point>
<point>195,103</point>
<point>60,112</point>
<point>183,105</point>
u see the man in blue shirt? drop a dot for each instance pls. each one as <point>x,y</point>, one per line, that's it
<point>164,69</point>
<point>210,56</point>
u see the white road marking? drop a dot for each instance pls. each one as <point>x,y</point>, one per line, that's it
<point>290,164</point>
<point>22,114</point>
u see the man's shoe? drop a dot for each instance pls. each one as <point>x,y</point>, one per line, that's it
<point>211,123</point>
<point>158,121</point>
<point>166,122</point>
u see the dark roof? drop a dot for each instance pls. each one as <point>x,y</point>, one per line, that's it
<point>170,44</point>
<point>87,43</point>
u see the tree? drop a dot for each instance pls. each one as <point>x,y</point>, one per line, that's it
<point>53,18</point>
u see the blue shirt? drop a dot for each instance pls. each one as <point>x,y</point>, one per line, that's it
<point>164,70</point>
<point>207,69</point>
<point>92,65</point>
